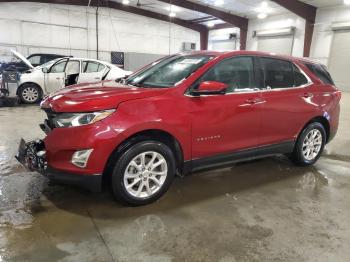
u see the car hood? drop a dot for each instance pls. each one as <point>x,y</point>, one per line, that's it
<point>91,97</point>
<point>20,56</point>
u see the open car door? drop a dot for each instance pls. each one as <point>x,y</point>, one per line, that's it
<point>55,77</point>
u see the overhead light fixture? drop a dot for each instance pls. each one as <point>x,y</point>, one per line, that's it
<point>172,14</point>
<point>126,2</point>
<point>262,15</point>
<point>347,2</point>
<point>210,24</point>
<point>219,2</point>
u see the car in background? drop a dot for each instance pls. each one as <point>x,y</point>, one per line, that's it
<point>185,113</point>
<point>62,72</point>
<point>34,59</point>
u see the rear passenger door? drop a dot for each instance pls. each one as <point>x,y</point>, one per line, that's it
<point>92,72</point>
<point>287,102</point>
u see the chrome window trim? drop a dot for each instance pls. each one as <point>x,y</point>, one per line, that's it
<point>309,83</point>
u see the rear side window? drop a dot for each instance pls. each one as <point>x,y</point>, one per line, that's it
<point>277,73</point>
<point>92,67</point>
<point>321,72</point>
<point>299,78</point>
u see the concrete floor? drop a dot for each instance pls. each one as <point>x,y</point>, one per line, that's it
<point>266,210</point>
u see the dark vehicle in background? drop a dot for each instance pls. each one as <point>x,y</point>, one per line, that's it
<point>34,59</point>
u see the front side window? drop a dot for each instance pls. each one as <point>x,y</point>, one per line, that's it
<point>237,73</point>
<point>59,67</point>
<point>169,71</point>
<point>73,67</point>
<point>277,73</point>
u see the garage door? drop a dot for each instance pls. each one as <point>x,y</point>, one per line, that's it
<point>276,44</point>
<point>339,60</point>
<point>223,45</point>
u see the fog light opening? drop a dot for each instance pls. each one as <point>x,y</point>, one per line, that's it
<point>80,158</point>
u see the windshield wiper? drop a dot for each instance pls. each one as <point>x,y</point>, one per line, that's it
<point>136,84</point>
<point>121,80</point>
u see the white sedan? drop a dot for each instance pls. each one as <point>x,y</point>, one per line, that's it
<point>62,72</point>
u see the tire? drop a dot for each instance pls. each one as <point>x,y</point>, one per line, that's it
<point>310,145</point>
<point>30,93</point>
<point>129,174</point>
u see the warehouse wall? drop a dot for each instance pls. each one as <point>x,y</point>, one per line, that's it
<point>323,35</point>
<point>71,30</point>
<point>275,22</point>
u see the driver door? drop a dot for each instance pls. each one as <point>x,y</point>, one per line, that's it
<point>55,79</point>
<point>230,122</point>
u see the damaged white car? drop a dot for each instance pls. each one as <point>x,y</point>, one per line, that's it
<point>62,72</point>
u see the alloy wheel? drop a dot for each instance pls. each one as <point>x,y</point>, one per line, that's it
<point>312,144</point>
<point>145,174</point>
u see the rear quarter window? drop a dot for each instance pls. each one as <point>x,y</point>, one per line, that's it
<point>321,72</point>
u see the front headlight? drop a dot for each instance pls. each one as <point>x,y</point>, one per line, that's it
<point>80,119</point>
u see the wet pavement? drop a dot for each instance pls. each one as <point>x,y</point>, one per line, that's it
<point>265,210</point>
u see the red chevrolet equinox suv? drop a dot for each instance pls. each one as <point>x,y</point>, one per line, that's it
<point>184,113</point>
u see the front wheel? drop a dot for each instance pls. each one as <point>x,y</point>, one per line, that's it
<point>143,173</point>
<point>30,93</point>
<point>309,145</point>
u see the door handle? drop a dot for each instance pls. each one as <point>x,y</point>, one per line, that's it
<point>58,78</point>
<point>97,78</point>
<point>307,95</point>
<point>253,101</point>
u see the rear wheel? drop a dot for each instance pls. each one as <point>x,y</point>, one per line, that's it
<point>30,93</point>
<point>143,173</point>
<point>309,145</point>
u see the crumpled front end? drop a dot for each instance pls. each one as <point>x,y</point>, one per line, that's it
<point>32,156</point>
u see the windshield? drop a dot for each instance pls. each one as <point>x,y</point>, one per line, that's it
<point>50,63</point>
<point>169,71</point>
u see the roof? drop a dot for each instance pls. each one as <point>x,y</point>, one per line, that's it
<point>254,53</point>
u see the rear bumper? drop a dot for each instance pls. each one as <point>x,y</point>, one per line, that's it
<point>32,156</point>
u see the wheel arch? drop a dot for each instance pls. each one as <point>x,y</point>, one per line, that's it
<point>322,120</point>
<point>31,83</point>
<point>150,134</point>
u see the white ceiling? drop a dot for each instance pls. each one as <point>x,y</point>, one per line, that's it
<point>244,8</point>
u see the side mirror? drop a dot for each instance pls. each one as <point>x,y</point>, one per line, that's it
<point>210,88</point>
<point>45,70</point>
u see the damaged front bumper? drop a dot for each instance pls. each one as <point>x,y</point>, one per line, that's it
<point>32,156</point>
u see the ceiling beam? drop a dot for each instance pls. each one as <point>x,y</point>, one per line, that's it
<point>221,26</point>
<point>202,19</point>
<point>202,29</point>
<point>235,20</point>
<point>119,6</point>
<point>299,8</point>
<point>305,11</point>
